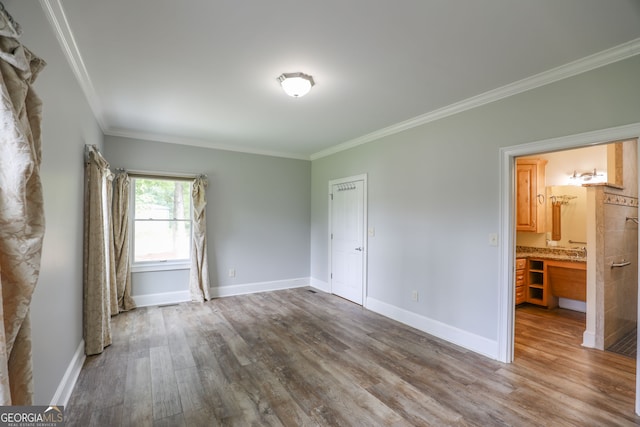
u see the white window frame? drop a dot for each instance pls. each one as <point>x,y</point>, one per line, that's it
<point>150,266</point>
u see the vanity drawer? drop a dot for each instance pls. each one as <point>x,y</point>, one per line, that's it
<point>520,296</point>
<point>521,269</point>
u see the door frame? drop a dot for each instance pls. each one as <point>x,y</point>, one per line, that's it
<point>365,269</point>
<point>506,313</point>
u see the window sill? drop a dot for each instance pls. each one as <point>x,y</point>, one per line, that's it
<point>160,266</point>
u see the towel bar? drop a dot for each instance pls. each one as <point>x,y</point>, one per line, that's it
<point>620,264</point>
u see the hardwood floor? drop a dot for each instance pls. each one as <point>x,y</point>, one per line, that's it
<point>298,358</point>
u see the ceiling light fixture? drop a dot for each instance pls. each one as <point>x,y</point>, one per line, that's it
<point>296,84</point>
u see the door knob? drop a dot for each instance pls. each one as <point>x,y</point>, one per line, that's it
<point>359,249</point>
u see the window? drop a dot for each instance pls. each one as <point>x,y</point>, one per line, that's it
<point>161,223</point>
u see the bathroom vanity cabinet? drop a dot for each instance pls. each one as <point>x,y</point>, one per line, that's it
<point>521,271</point>
<point>567,279</point>
<point>548,280</point>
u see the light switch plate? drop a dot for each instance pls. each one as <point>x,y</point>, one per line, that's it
<point>493,239</point>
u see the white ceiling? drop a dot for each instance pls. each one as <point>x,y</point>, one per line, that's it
<point>204,72</point>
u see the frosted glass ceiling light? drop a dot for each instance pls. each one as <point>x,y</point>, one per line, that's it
<point>296,84</point>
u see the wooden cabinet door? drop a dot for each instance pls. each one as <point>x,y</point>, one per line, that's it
<point>530,198</point>
<point>525,197</point>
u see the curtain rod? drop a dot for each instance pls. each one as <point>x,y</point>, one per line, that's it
<point>89,148</point>
<point>159,175</point>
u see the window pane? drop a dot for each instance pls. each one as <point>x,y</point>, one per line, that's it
<point>162,199</point>
<point>162,240</point>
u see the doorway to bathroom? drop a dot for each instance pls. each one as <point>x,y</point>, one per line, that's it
<point>571,204</point>
<point>599,262</point>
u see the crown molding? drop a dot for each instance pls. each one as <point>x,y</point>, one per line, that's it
<point>58,20</point>
<point>588,63</point>
<point>145,136</point>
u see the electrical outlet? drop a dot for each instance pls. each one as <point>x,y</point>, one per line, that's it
<point>414,295</point>
<point>232,272</point>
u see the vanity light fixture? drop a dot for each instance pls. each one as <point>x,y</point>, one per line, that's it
<point>296,84</point>
<point>592,176</point>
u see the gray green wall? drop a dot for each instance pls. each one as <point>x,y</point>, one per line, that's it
<point>434,194</point>
<point>258,211</point>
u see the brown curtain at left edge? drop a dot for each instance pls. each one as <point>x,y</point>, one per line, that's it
<point>21,215</point>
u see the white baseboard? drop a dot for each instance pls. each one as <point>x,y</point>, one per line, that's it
<point>589,339</point>
<point>319,284</point>
<point>160,299</point>
<point>571,304</point>
<point>219,292</point>
<point>68,382</point>
<point>465,339</point>
<point>252,288</point>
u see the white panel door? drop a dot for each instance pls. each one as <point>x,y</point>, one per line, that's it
<point>347,240</point>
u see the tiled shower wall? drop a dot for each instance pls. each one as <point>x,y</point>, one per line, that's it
<point>618,244</point>
<point>620,283</point>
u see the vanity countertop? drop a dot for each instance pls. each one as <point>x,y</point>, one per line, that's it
<point>559,254</point>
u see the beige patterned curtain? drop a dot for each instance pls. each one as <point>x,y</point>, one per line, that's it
<point>21,212</point>
<point>199,274</point>
<point>99,269</point>
<point>121,241</point>
<point>112,285</point>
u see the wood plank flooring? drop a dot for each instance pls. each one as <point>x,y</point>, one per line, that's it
<point>298,358</point>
